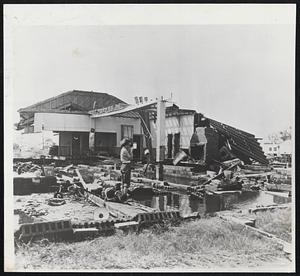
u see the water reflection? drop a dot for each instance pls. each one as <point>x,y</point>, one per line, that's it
<point>188,205</point>
<point>249,199</point>
<point>173,201</point>
<point>180,180</point>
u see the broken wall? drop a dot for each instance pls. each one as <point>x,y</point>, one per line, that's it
<point>184,125</point>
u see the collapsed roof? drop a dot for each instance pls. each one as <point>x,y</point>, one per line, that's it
<point>243,144</point>
<point>72,102</point>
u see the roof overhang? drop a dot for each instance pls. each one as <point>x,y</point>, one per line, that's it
<point>55,111</point>
<point>126,111</point>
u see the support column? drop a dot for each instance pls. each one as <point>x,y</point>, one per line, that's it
<point>160,137</point>
<point>92,135</point>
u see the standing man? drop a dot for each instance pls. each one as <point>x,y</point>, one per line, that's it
<point>126,159</point>
<point>147,157</point>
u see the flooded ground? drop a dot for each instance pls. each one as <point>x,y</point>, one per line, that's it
<point>188,205</point>
<point>81,210</point>
<point>173,201</point>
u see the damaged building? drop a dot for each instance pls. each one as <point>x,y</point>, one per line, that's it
<point>91,123</point>
<point>68,115</point>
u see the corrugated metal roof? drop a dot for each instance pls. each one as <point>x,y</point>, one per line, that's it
<point>83,100</point>
<point>242,142</point>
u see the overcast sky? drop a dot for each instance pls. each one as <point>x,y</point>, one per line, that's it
<point>239,74</point>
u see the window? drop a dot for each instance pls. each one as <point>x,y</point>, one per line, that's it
<point>126,131</point>
<point>270,149</point>
<point>275,148</point>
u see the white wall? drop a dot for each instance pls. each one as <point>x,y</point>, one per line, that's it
<point>186,130</point>
<point>268,148</point>
<point>34,144</point>
<point>61,122</point>
<point>83,123</point>
<point>281,148</point>
<point>286,147</point>
<point>183,124</point>
<point>113,124</point>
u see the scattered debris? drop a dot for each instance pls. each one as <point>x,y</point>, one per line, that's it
<point>216,186</point>
<point>56,201</point>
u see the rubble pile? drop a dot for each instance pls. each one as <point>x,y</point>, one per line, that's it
<point>235,175</point>
<point>78,189</point>
<point>226,176</point>
<point>28,167</point>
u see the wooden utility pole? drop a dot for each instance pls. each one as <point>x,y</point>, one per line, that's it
<point>160,137</point>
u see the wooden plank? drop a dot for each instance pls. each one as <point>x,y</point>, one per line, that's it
<point>282,194</point>
<point>279,187</point>
<point>255,175</point>
<point>266,208</point>
<point>126,224</point>
<point>122,210</point>
<point>112,207</point>
<point>227,192</point>
<point>287,247</point>
<point>141,207</point>
<point>85,230</point>
<point>239,220</point>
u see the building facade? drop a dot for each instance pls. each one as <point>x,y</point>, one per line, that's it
<point>79,134</point>
<point>91,123</point>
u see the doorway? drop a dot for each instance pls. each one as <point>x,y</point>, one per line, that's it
<point>170,145</point>
<point>76,144</point>
<point>137,152</point>
<point>106,142</point>
<point>176,143</point>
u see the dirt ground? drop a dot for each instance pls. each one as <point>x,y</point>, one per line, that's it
<point>77,210</point>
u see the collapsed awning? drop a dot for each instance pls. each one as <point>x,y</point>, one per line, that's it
<point>123,111</point>
<point>242,142</point>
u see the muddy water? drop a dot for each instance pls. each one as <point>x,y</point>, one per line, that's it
<point>173,201</point>
<point>188,205</point>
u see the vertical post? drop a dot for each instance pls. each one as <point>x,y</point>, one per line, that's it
<point>160,137</point>
<point>92,135</point>
<point>59,144</point>
<point>43,137</point>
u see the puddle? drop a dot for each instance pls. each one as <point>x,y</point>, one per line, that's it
<point>188,205</point>
<point>173,201</point>
<point>248,199</point>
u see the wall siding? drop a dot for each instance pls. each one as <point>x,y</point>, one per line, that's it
<point>61,122</point>
<point>82,123</point>
<point>183,124</point>
<point>113,124</point>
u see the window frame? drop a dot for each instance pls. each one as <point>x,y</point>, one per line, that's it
<point>123,127</point>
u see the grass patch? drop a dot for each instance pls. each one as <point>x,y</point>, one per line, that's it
<point>205,243</point>
<point>277,222</point>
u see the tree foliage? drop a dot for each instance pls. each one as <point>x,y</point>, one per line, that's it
<point>280,136</point>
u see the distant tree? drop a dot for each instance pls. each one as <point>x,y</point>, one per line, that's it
<point>274,138</point>
<point>282,135</point>
<point>286,134</point>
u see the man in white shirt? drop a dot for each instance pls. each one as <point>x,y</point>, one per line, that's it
<point>126,159</point>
